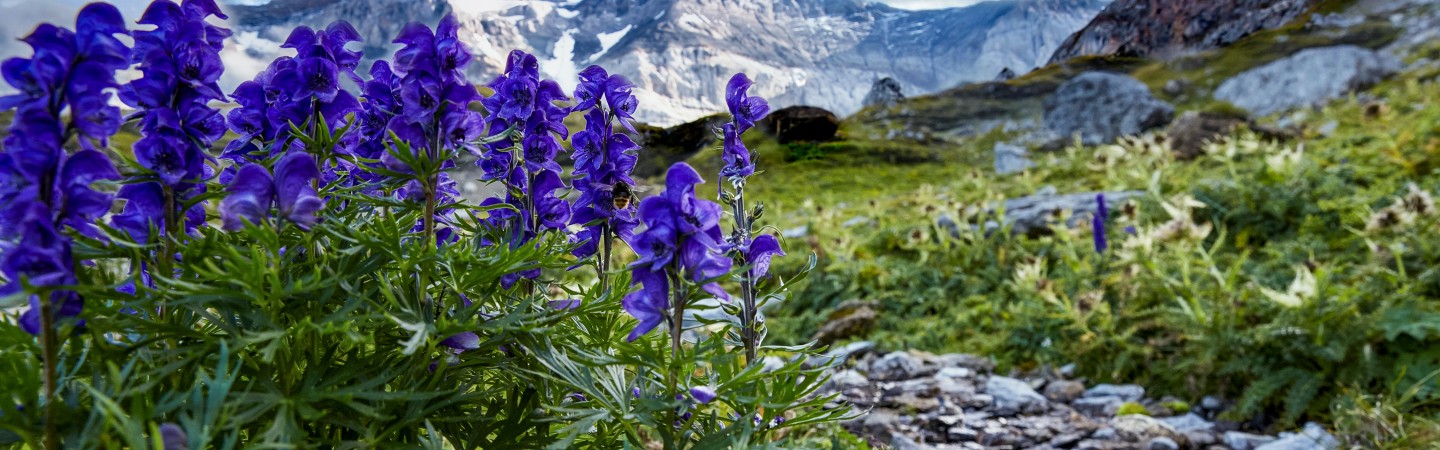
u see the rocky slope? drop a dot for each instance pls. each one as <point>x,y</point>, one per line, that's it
<point>824,53</point>
<point>1146,27</point>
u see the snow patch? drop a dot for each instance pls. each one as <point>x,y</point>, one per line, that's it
<point>608,40</point>
<point>561,64</point>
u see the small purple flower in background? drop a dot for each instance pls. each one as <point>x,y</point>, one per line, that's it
<point>682,239</point>
<point>703,394</point>
<point>63,87</point>
<point>761,250</point>
<point>174,437</point>
<point>745,110</point>
<point>462,342</point>
<point>1102,214</point>
<point>252,191</point>
<point>604,160</point>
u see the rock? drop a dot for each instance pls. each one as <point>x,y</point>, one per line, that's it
<point>849,320</point>
<point>879,423</point>
<point>801,124</point>
<point>1245,441</point>
<point>1126,392</point>
<point>1189,422</point>
<point>1138,428</point>
<point>900,442</point>
<point>1105,434</point>
<point>1309,77</point>
<point>1103,106</point>
<point>1162,443</point>
<point>961,360</point>
<point>1200,439</point>
<point>1174,87</point>
<point>1068,370</point>
<point>1189,133</point>
<point>665,146</point>
<point>954,372</point>
<point>1064,391</point>
<point>895,366</point>
<point>1097,406</point>
<point>839,355</point>
<point>847,379</point>
<point>1011,158</point>
<point>1013,396</point>
<point>1212,403</point>
<point>1033,215</point>
<point>885,92</point>
<point>1312,437</point>
<point>857,221</point>
<point>1144,27</point>
<point>1006,75</point>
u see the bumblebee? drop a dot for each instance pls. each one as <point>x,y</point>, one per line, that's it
<point>623,195</point>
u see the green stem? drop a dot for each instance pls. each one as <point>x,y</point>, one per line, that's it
<point>49,346</point>
<point>748,332</point>
<point>166,258</point>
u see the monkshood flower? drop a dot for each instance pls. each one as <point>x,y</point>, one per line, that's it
<point>703,394</point>
<point>681,241</point>
<point>434,94</point>
<point>42,188</point>
<point>173,437</point>
<point>1097,222</point>
<point>291,189</point>
<point>745,110</point>
<point>604,160</point>
<point>758,256</point>
<point>180,62</point>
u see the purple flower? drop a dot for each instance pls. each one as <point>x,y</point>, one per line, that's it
<point>174,437</point>
<point>745,109</point>
<point>682,240</point>
<point>735,155</point>
<point>462,342</point>
<point>703,394</point>
<point>762,249</point>
<point>252,191</point>
<point>1102,214</point>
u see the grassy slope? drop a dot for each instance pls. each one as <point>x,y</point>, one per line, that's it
<point>1188,317</point>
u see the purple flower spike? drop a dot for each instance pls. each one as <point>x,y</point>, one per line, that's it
<point>703,394</point>
<point>746,109</point>
<point>1102,214</point>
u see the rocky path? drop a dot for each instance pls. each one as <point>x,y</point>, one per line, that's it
<point>916,400</point>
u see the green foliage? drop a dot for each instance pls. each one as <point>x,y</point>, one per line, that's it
<point>1131,409</point>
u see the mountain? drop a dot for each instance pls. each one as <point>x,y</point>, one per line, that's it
<point>680,53</point>
<point>1145,27</point>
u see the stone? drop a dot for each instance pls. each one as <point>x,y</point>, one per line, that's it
<point>878,423</point>
<point>1312,437</point>
<point>1138,428</point>
<point>1189,422</point>
<point>1097,406</point>
<point>884,92</point>
<point>1064,391</point>
<point>1011,158</point>
<point>1005,75</point>
<point>1193,129</point>
<point>976,363</point>
<point>849,320</point>
<point>1104,434</point>
<point>955,372</point>
<point>1162,443</point>
<point>1245,441</point>
<point>895,366</point>
<point>1309,77</point>
<point>1200,439</point>
<point>1013,396</point>
<point>962,434</point>
<point>1126,392</point>
<point>842,354</point>
<point>849,379</point>
<point>796,232</point>
<point>1035,214</point>
<point>801,124</point>
<point>1101,107</point>
<point>1068,370</point>
<point>901,442</point>
<point>1212,403</point>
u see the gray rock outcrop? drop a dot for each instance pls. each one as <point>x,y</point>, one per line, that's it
<point>1309,77</point>
<point>1102,106</point>
<point>885,92</point>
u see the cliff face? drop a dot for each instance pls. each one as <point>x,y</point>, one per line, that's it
<point>1146,27</point>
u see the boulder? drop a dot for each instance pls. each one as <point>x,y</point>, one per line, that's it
<point>1126,392</point>
<point>1139,428</point>
<point>1097,406</point>
<point>1193,129</point>
<point>1034,214</point>
<point>1064,391</point>
<point>1101,106</point>
<point>1313,437</point>
<point>1006,75</point>
<point>1309,77</point>
<point>896,366</point>
<point>801,124</point>
<point>1245,441</point>
<point>885,92</point>
<point>1013,396</point>
<point>850,319</point>
<point>1011,158</point>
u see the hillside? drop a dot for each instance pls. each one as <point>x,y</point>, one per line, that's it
<point>1284,268</point>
